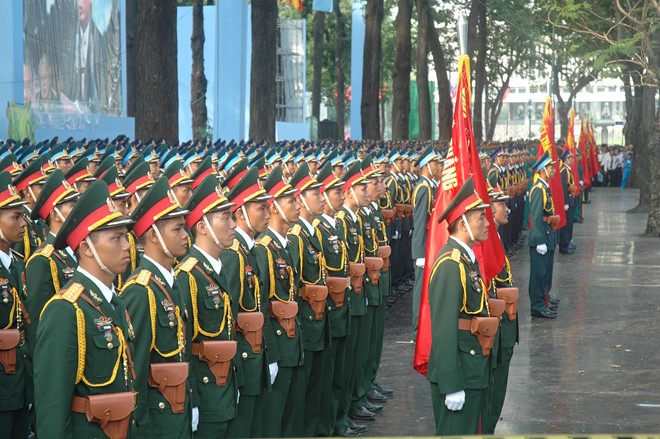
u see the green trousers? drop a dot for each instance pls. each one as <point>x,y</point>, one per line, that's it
<point>14,424</point>
<point>497,391</point>
<point>461,422</point>
<point>248,421</point>
<point>275,402</point>
<point>361,356</point>
<point>211,430</point>
<point>317,361</point>
<point>350,371</point>
<point>333,378</point>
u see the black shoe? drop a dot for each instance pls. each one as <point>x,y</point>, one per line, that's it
<point>553,300</point>
<point>572,247</point>
<point>375,396</point>
<point>357,427</point>
<point>361,414</point>
<point>545,314</point>
<point>346,432</point>
<point>383,390</point>
<point>568,251</point>
<point>409,283</point>
<point>373,408</point>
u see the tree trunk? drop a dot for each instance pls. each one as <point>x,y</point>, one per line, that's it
<point>653,189</point>
<point>401,73</point>
<point>644,148</point>
<point>263,70</point>
<point>371,71</point>
<point>480,72</point>
<point>198,81</point>
<point>423,91</point>
<point>445,110</point>
<point>157,103</point>
<point>131,56</point>
<point>341,111</point>
<point>317,63</point>
<point>563,108</point>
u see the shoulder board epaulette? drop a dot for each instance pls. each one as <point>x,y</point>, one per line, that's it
<point>316,222</point>
<point>295,230</point>
<point>235,245</point>
<point>341,215</point>
<point>456,255</point>
<point>265,240</point>
<point>72,293</point>
<point>143,278</point>
<point>47,250</point>
<point>188,264</point>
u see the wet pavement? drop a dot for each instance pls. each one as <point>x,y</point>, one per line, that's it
<point>593,370</point>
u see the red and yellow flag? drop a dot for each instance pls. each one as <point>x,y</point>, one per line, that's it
<point>584,160</point>
<point>462,162</point>
<point>548,144</point>
<point>570,143</point>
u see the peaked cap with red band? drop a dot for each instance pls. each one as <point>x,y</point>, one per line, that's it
<point>206,198</point>
<point>34,173</point>
<point>158,203</point>
<point>247,189</point>
<point>302,180</point>
<point>465,201</point>
<point>276,187</point>
<point>138,178</point>
<point>326,177</point>
<point>56,191</point>
<point>354,176</point>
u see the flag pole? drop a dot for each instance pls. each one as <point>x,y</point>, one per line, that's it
<point>462,34</point>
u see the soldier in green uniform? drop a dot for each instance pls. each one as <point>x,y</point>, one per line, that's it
<point>85,333</point>
<point>307,253</point>
<point>49,269</point>
<point>462,329</point>
<point>501,287</point>
<point>80,175</point>
<point>396,192</point>
<point>204,289</point>
<point>423,200</point>
<point>569,187</point>
<point>280,283</point>
<point>156,305</point>
<point>542,241</point>
<point>29,184</point>
<point>355,197</point>
<point>256,357</point>
<point>15,367</point>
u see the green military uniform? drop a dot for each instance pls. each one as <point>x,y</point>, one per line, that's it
<point>457,361</point>
<point>275,261</point>
<point>84,339</point>
<point>155,303</point>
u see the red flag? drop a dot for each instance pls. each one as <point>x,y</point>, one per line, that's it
<point>462,162</point>
<point>595,164</point>
<point>548,144</point>
<point>570,142</point>
<point>584,161</point>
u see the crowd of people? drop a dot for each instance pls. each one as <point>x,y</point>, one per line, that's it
<point>240,289</point>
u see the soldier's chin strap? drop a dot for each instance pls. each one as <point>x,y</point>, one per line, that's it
<point>162,242</point>
<point>247,220</point>
<point>34,197</point>
<point>355,197</point>
<point>467,224</point>
<point>98,259</point>
<point>302,198</point>
<point>59,213</point>
<point>325,194</point>
<point>397,168</point>
<point>213,235</point>
<point>279,209</point>
<point>2,236</point>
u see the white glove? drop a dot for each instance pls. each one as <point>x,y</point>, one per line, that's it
<point>195,418</point>
<point>396,235</point>
<point>410,234</point>
<point>238,395</point>
<point>566,207</point>
<point>455,401</point>
<point>581,183</point>
<point>272,368</point>
<point>420,262</point>
<point>542,249</point>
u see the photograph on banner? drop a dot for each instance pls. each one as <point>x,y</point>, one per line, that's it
<point>72,58</point>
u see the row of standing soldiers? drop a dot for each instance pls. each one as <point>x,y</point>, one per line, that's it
<point>222,296</point>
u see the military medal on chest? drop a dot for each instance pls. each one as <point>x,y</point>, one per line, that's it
<point>354,235</point>
<point>214,292</point>
<point>474,278</point>
<point>313,253</point>
<point>249,274</point>
<point>168,306</point>
<point>104,325</point>
<point>4,290</point>
<point>334,242</point>
<point>281,267</point>
<point>68,273</point>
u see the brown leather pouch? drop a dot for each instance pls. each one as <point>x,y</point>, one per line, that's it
<point>337,289</point>
<point>315,295</point>
<point>484,328</point>
<point>553,221</point>
<point>285,314</point>
<point>373,266</point>
<point>407,210</point>
<point>170,380</point>
<point>9,339</point>
<point>399,208</point>
<point>218,355</point>
<point>510,297</point>
<point>111,411</point>
<point>388,215</point>
<point>385,251</point>
<point>356,271</point>
<point>496,307</point>
<point>251,324</point>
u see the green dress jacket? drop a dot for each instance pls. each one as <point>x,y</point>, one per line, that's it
<point>336,261</point>
<point>206,298</point>
<point>307,253</point>
<point>280,283</point>
<point>83,345</point>
<point>423,201</point>
<point>160,320</point>
<point>370,226</point>
<point>456,291</point>
<point>355,246</point>
<point>541,206</point>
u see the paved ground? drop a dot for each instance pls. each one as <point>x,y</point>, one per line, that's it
<point>594,369</point>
